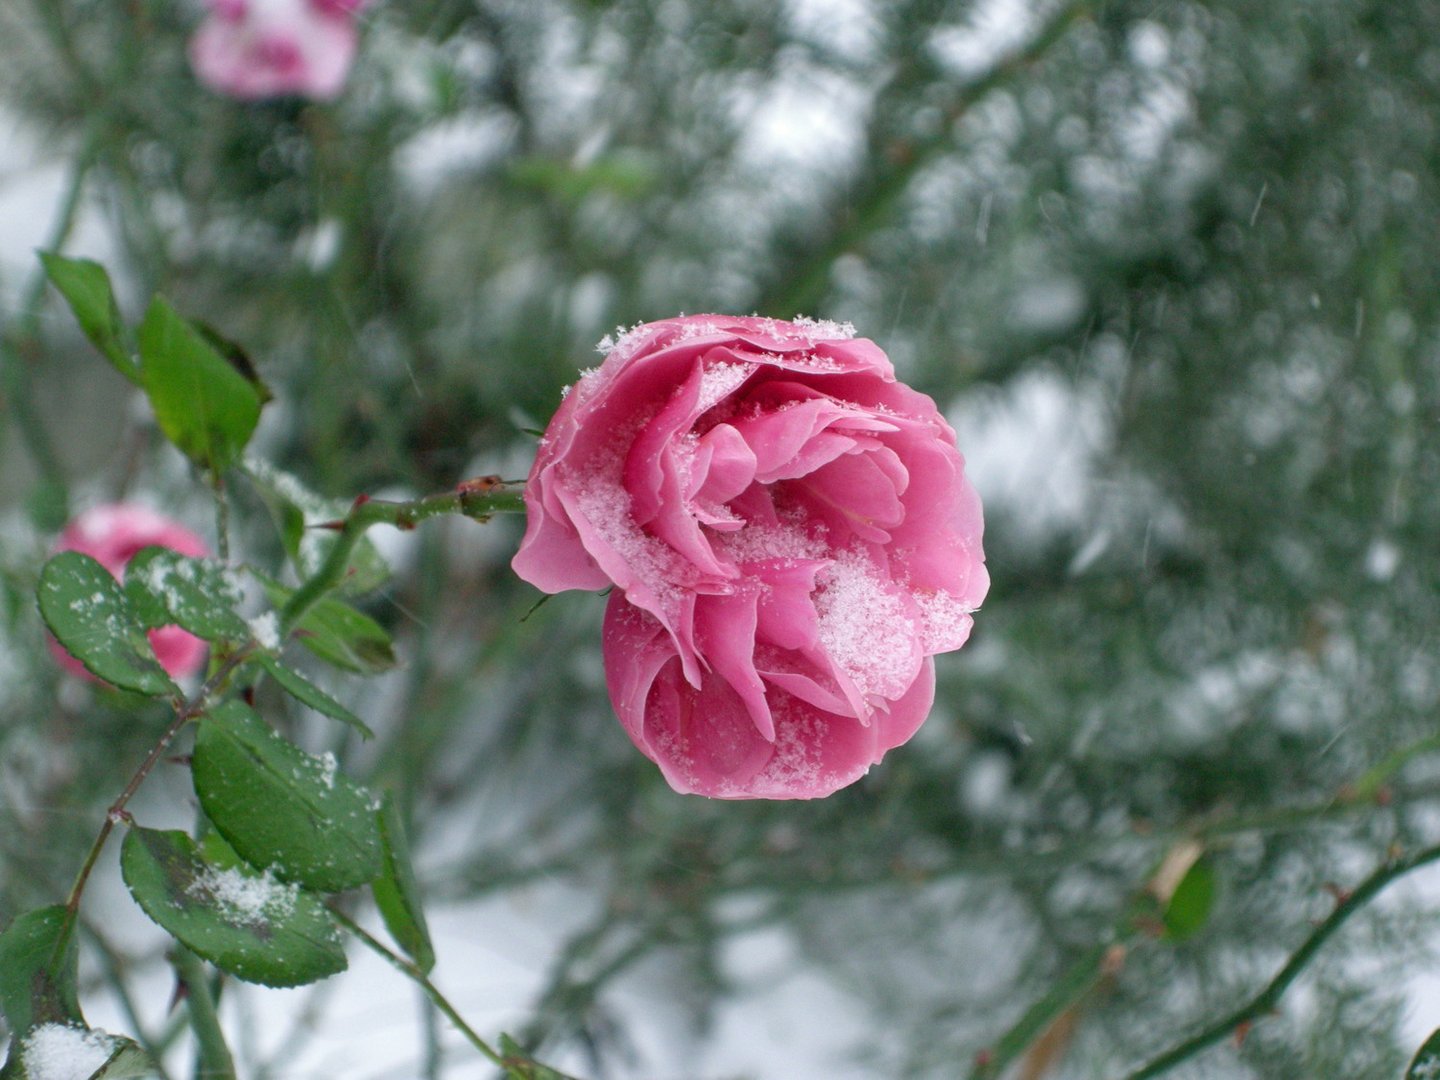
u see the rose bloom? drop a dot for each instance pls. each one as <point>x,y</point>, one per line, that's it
<point>790,538</point>
<point>112,535</point>
<point>269,48</point>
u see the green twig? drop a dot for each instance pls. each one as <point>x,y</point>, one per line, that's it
<point>1369,786</point>
<point>1086,972</point>
<point>185,711</point>
<point>1268,998</point>
<point>412,972</point>
<point>215,1061</point>
<point>114,977</point>
<point>222,517</point>
<point>430,1023</point>
<point>478,499</point>
<point>1077,981</point>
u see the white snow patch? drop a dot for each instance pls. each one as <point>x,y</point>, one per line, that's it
<point>245,899</point>
<point>265,629</point>
<point>786,540</point>
<point>864,626</point>
<point>945,622</point>
<point>328,765</point>
<point>63,1052</point>
<point>719,381</point>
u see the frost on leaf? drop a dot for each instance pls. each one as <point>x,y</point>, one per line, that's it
<point>244,899</point>
<point>64,1052</point>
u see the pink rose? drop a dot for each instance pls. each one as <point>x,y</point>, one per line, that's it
<point>111,535</point>
<point>268,48</point>
<point>790,537</point>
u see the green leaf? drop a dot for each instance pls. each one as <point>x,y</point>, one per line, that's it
<point>86,288</point>
<point>199,595</point>
<point>1426,1063</point>
<point>307,693</point>
<point>298,511</point>
<point>286,497</point>
<point>247,923</point>
<point>203,405</point>
<point>126,1063</point>
<point>280,807</point>
<point>396,893</point>
<point>349,639</point>
<point>38,970</point>
<point>338,634</point>
<point>521,1066</point>
<point>1190,905</point>
<point>234,354</point>
<point>89,614</point>
<point>35,1055</point>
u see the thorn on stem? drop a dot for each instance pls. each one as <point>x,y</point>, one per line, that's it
<point>1242,1029</point>
<point>1340,895</point>
<point>180,994</point>
<point>479,485</point>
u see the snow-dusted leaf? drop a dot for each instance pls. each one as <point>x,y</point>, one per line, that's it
<point>396,893</point>
<point>86,288</point>
<point>88,612</point>
<point>307,693</point>
<point>203,405</point>
<point>299,514</point>
<point>282,808</point>
<point>71,1051</point>
<point>349,639</point>
<point>521,1066</point>
<point>38,969</point>
<point>199,595</point>
<point>127,1062</point>
<point>1426,1063</point>
<point>338,634</point>
<point>243,921</point>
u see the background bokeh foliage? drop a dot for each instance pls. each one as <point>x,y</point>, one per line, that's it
<point>1174,266</point>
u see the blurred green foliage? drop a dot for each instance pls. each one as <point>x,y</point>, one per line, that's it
<point>1174,264</point>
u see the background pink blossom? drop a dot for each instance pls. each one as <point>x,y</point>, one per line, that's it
<point>112,535</point>
<point>269,48</point>
<point>791,538</point>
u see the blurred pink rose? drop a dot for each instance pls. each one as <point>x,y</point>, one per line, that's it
<point>790,537</point>
<point>268,48</point>
<point>111,535</point>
